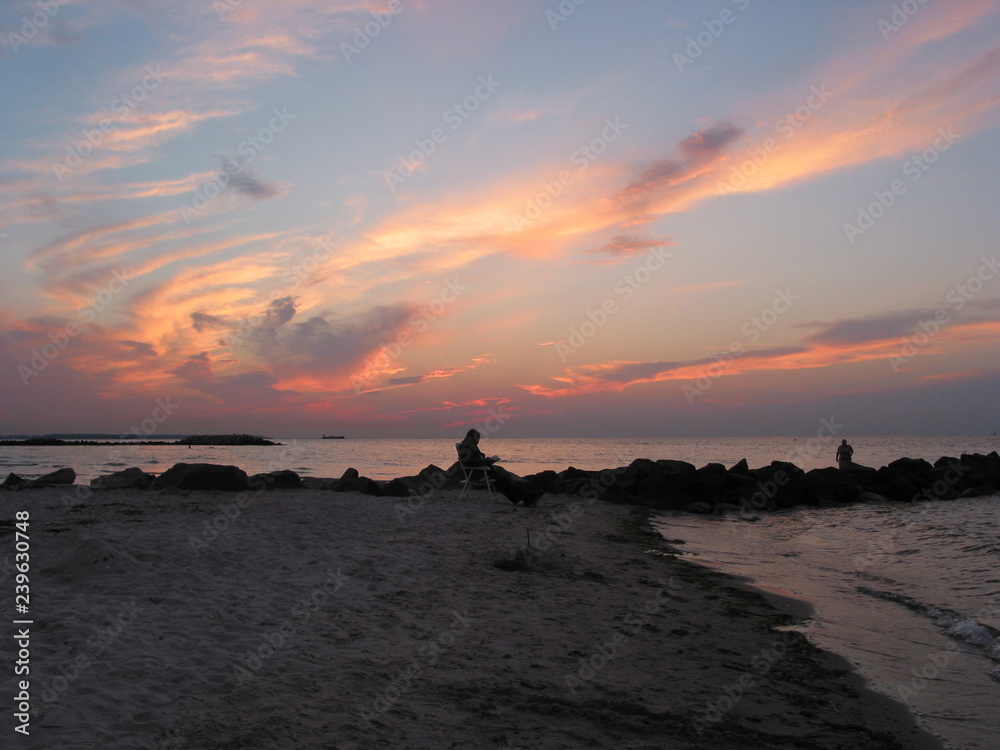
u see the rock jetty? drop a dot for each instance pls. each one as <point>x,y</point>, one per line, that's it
<point>658,484</point>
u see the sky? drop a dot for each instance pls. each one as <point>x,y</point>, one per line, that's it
<point>540,218</point>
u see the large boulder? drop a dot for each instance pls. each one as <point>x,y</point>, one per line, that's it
<point>784,482</point>
<point>899,485</point>
<point>713,485</point>
<point>830,485</point>
<point>13,482</point>
<point>395,488</point>
<point>133,478</point>
<point>422,484</point>
<point>320,483</point>
<point>57,477</point>
<point>663,484</point>
<point>203,477</point>
<point>364,485</point>
<point>276,480</point>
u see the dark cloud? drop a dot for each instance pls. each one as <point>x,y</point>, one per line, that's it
<point>624,246</point>
<point>631,372</point>
<point>413,380</point>
<point>248,184</point>
<point>695,151</point>
<point>872,328</point>
<point>325,341</point>
<point>201,321</point>
<point>706,143</point>
<point>139,347</point>
<point>280,311</point>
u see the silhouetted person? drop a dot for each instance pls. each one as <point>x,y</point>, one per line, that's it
<point>844,454</point>
<point>516,489</point>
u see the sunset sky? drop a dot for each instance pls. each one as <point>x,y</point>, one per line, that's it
<point>576,218</point>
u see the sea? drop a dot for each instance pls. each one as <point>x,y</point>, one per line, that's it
<point>908,594</point>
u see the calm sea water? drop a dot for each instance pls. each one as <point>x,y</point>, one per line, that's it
<point>909,594</point>
<point>386,459</point>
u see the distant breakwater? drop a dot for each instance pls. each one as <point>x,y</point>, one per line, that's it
<point>658,484</point>
<point>190,440</point>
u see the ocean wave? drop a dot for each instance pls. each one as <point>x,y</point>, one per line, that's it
<point>954,624</point>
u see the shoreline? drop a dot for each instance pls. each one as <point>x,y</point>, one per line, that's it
<point>331,619</point>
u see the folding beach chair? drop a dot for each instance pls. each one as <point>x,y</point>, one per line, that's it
<point>469,473</point>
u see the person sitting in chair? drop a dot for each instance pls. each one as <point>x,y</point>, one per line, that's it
<point>516,489</point>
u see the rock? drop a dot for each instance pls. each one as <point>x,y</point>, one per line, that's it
<point>662,484</point>
<point>916,466</point>
<point>350,474</point>
<point>867,496</point>
<point>740,467</point>
<point>364,485</point>
<point>713,484</point>
<point>275,480</point>
<point>13,482</point>
<point>547,480</point>
<point>224,440</point>
<point>830,485</point>
<point>699,507</point>
<point>395,488</point>
<point>127,479</point>
<point>57,477</point>
<point>320,483</point>
<point>203,477</point>
<point>779,485</point>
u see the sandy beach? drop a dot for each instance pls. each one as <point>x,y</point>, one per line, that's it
<point>313,619</point>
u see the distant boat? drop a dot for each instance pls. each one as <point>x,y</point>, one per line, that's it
<point>333,437</point>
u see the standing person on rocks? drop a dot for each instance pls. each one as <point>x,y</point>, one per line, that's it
<point>844,454</point>
<point>515,488</point>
